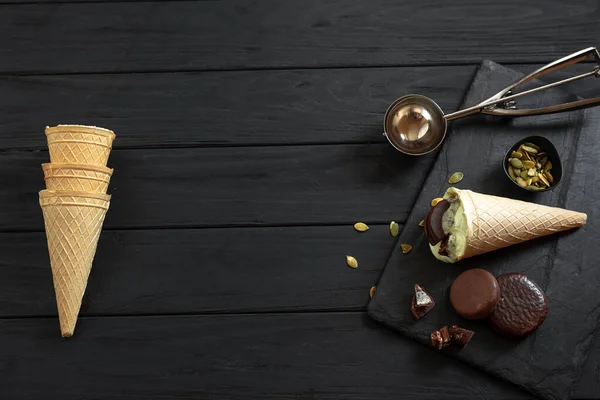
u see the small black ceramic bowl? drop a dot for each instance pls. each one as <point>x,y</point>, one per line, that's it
<point>546,146</point>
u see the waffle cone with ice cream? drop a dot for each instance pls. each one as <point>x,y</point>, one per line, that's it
<point>467,223</point>
<point>74,206</point>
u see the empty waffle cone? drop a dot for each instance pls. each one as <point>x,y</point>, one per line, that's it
<point>495,222</point>
<point>77,177</point>
<point>79,144</point>
<point>73,223</point>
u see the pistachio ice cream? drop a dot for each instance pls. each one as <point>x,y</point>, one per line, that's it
<point>466,223</point>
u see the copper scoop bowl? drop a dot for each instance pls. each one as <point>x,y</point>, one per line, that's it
<point>416,125</point>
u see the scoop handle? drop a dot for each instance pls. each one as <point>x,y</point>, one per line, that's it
<point>564,62</point>
<point>505,96</point>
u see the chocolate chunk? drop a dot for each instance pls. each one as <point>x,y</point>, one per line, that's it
<point>423,298</point>
<point>460,335</point>
<point>441,339</point>
<point>443,251</point>
<point>522,307</point>
<point>446,337</point>
<point>474,294</point>
<point>422,302</point>
<point>433,222</point>
<point>437,341</point>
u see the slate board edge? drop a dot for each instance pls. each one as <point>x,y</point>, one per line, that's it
<point>378,315</point>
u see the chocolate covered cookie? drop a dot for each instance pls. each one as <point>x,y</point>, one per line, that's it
<point>474,294</point>
<point>434,229</point>
<point>522,306</point>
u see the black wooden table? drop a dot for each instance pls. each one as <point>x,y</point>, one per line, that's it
<point>248,143</point>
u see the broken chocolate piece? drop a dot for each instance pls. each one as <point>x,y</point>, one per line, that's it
<point>423,298</point>
<point>419,312</point>
<point>433,222</point>
<point>444,247</point>
<point>436,340</point>
<point>446,337</point>
<point>421,303</point>
<point>441,339</point>
<point>460,335</point>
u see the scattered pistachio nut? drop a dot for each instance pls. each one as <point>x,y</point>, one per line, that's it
<point>521,182</point>
<point>406,248</point>
<point>543,179</point>
<point>515,162</point>
<point>351,261</point>
<point>529,167</point>
<point>372,291</point>
<point>422,223</point>
<point>394,229</point>
<point>455,178</point>
<point>435,201</point>
<point>534,146</point>
<point>361,227</point>
<point>529,149</point>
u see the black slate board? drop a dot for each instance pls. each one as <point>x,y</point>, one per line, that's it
<point>548,362</point>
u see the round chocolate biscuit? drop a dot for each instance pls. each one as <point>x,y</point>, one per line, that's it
<point>474,294</point>
<point>522,307</point>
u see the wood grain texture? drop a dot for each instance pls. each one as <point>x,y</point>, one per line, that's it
<point>24,2</point>
<point>233,186</point>
<point>299,356</point>
<point>221,108</point>
<point>174,36</point>
<point>232,108</point>
<point>199,271</point>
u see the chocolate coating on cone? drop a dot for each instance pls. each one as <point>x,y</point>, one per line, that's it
<point>474,294</point>
<point>522,307</point>
<point>433,222</point>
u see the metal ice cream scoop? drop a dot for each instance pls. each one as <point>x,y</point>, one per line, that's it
<point>416,125</point>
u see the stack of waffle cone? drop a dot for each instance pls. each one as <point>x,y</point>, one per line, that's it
<point>74,205</point>
<point>496,222</point>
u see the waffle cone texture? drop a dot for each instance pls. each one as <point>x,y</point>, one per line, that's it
<point>496,222</point>
<point>77,177</point>
<point>79,144</point>
<point>74,206</point>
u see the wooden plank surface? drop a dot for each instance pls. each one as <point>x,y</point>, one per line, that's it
<point>233,186</point>
<point>221,108</point>
<point>346,173</point>
<point>279,356</point>
<point>232,108</point>
<point>289,356</point>
<point>207,270</point>
<point>188,35</point>
<point>23,2</point>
